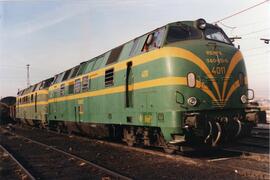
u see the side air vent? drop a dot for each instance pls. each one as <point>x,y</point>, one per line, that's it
<point>109,77</point>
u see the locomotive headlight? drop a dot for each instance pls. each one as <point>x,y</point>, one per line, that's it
<point>244,99</point>
<point>192,101</point>
<point>201,24</point>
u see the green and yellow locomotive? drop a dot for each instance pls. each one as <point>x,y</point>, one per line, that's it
<point>183,82</point>
<point>32,104</point>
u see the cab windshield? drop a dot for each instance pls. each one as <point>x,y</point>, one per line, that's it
<point>181,33</point>
<point>216,34</point>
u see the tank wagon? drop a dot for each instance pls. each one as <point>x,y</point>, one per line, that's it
<point>183,82</point>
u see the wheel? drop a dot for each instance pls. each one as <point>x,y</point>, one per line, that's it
<point>129,137</point>
<point>169,150</point>
<point>58,129</point>
<point>130,143</point>
<point>69,132</point>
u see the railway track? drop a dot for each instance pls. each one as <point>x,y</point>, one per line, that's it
<point>259,137</point>
<point>261,132</point>
<point>240,164</point>
<point>228,157</point>
<point>53,162</point>
<point>224,153</point>
<point>256,144</point>
<point>152,151</point>
<point>254,149</point>
<point>18,169</point>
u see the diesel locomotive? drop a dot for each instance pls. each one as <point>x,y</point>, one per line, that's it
<point>184,82</point>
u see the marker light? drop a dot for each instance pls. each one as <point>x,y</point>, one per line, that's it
<point>192,101</point>
<point>244,99</point>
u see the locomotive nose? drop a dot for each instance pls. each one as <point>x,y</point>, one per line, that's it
<point>212,72</point>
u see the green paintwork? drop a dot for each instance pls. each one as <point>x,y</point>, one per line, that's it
<point>30,111</point>
<point>148,103</point>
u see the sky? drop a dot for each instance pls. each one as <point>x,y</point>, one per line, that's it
<point>54,35</point>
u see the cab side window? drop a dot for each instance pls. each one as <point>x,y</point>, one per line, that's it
<point>154,40</point>
<point>62,89</point>
<point>77,86</point>
<point>85,84</point>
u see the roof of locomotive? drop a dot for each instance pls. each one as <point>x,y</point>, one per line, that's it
<point>186,22</point>
<point>32,88</point>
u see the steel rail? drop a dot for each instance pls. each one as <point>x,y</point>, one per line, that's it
<point>29,175</point>
<point>133,148</point>
<point>253,144</point>
<point>107,171</point>
<point>242,171</point>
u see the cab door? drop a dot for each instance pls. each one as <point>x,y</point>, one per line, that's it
<point>77,103</point>
<point>53,105</point>
<point>78,108</point>
<point>129,85</point>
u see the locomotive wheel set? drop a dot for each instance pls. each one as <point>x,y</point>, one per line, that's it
<point>184,82</point>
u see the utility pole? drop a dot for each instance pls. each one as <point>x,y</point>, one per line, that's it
<point>28,76</point>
